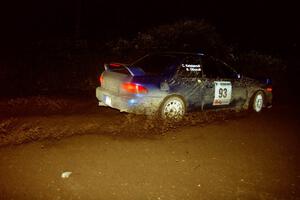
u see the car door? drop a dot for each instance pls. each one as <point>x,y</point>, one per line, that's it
<point>188,80</point>
<point>221,85</point>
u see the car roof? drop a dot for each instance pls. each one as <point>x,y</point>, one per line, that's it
<point>176,53</point>
<point>171,53</point>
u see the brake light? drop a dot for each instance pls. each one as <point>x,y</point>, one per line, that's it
<point>134,88</point>
<point>269,89</point>
<point>114,65</point>
<point>101,79</point>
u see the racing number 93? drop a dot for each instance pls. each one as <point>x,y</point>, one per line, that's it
<point>222,92</point>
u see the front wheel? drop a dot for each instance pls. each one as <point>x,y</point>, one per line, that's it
<point>173,108</point>
<point>258,101</point>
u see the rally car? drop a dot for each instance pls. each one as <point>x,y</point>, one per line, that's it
<point>173,83</point>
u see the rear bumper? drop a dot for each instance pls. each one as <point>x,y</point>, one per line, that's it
<point>139,104</point>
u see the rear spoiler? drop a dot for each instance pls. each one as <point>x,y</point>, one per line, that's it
<point>124,68</point>
<point>110,66</point>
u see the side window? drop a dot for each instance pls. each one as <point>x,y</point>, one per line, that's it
<point>190,67</point>
<point>214,68</point>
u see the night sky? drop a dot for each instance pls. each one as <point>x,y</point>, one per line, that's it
<point>265,25</point>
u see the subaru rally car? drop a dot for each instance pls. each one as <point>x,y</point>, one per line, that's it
<point>171,84</point>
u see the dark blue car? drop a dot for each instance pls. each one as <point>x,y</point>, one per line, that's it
<point>171,84</point>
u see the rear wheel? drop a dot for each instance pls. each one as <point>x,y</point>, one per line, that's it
<point>258,101</point>
<point>173,108</point>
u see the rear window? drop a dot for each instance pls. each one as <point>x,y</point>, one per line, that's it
<point>157,64</point>
<point>121,70</point>
<point>117,67</point>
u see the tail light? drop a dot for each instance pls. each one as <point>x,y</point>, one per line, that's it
<point>101,79</point>
<point>269,89</point>
<point>134,88</point>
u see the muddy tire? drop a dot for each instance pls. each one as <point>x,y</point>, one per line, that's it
<point>257,102</point>
<point>173,108</point>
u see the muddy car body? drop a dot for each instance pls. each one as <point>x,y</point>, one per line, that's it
<point>173,83</point>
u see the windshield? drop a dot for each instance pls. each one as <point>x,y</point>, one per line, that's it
<point>157,64</point>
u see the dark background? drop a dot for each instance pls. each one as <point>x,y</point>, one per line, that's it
<point>58,45</point>
<point>265,25</point>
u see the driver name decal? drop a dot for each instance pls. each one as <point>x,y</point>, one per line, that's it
<point>192,67</point>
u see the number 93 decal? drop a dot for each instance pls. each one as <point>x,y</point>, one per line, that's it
<point>222,92</point>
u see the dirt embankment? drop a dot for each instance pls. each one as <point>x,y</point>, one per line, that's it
<point>245,156</point>
<point>36,118</point>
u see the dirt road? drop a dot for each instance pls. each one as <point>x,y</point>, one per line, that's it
<point>251,156</point>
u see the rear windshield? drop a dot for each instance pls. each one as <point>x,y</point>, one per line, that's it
<point>157,64</point>
<point>121,70</point>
